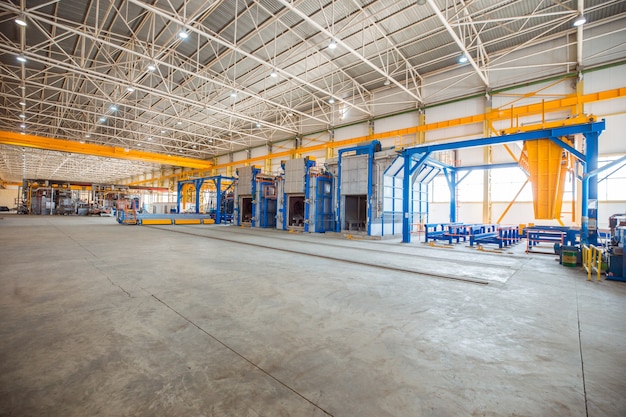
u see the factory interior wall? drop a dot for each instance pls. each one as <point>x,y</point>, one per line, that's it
<point>8,197</point>
<point>611,140</point>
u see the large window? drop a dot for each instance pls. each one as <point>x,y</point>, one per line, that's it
<point>612,182</point>
<point>506,182</point>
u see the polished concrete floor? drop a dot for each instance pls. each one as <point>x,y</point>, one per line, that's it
<point>98,319</point>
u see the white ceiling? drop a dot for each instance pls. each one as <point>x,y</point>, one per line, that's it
<point>86,69</point>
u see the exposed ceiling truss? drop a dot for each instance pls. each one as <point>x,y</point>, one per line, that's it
<point>248,73</point>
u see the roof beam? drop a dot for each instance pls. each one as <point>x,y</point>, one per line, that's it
<point>348,48</point>
<point>458,41</point>
<point>218,40</point>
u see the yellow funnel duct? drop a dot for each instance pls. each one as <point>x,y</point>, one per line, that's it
<point>547,165</point>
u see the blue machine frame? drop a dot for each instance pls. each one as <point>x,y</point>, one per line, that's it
<point>254,171</point>
<point>308,164</point>
<point>220,216</point>
<point>266,203</point>
<point>369,150</point>
<point>589,161</point>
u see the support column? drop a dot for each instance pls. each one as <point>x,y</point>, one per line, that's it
<point>218,204</point>
<point>268,161</point>
<point>406,200</point>
<point>420,137</point>
<point>198,185</point>
<point>297,145</point>
<point>452,186</point>
<point>577,185</point>
<point>487,159</point>
<point>589,218</point>
<point>330,150</point>
<point>229,168</point>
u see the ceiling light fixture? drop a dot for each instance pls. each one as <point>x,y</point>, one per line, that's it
<point>23,116</point>
<point>81,141</point>
<point>179,123</point>
<point>22,103</point>
<point>150,138</point>
<point>183,35</point>
<point>274,74</point>
<point>20,20</point>
<point>130,89</point>
<point>87,135</point>
<point>332,44</point>
<point>151,67</point>
<point>387,82</point>
<point>103,119</point>
<point>331,100</point>
<point>23,126</point>
<point>258,125</point>
<point>113,108</point>
<point>21,58</point>
<point>580,20</point>
<point>463,59</point>
<point>233,94</point>
<point>421,2</point>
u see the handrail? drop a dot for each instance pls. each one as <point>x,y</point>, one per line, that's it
<point>592,260</point>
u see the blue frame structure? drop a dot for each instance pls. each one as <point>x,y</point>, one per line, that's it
<point>308,164</point>
<point>369,150</point>
<point>217,181</point>
<point>255,171</point>
<point>323,205</point>
<point>415,157</point>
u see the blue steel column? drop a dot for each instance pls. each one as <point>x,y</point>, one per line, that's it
<point>338,214</point>
<point>284,208</point>
<point>218,207</point>
<point>589,220</point>
<point>180,187</point>
<point>452,185</point>
<point>370,182</point>
<point>307,194</point>
<point>198,185</point>
<point>406,195</point>
<point>254,201</point>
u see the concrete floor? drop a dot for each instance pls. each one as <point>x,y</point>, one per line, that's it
<point>98,319</point>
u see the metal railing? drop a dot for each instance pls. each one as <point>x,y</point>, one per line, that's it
<point>592,260</point>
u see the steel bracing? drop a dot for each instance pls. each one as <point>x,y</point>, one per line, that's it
<point>415,157</point>
<point>198,80</point>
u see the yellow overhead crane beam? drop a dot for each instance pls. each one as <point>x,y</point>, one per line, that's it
<point>199,165</point>
<point>61,145</point>
<point>511,113</point>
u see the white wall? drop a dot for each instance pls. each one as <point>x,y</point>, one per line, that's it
<point>612,141</point>
<point>8,197</point>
